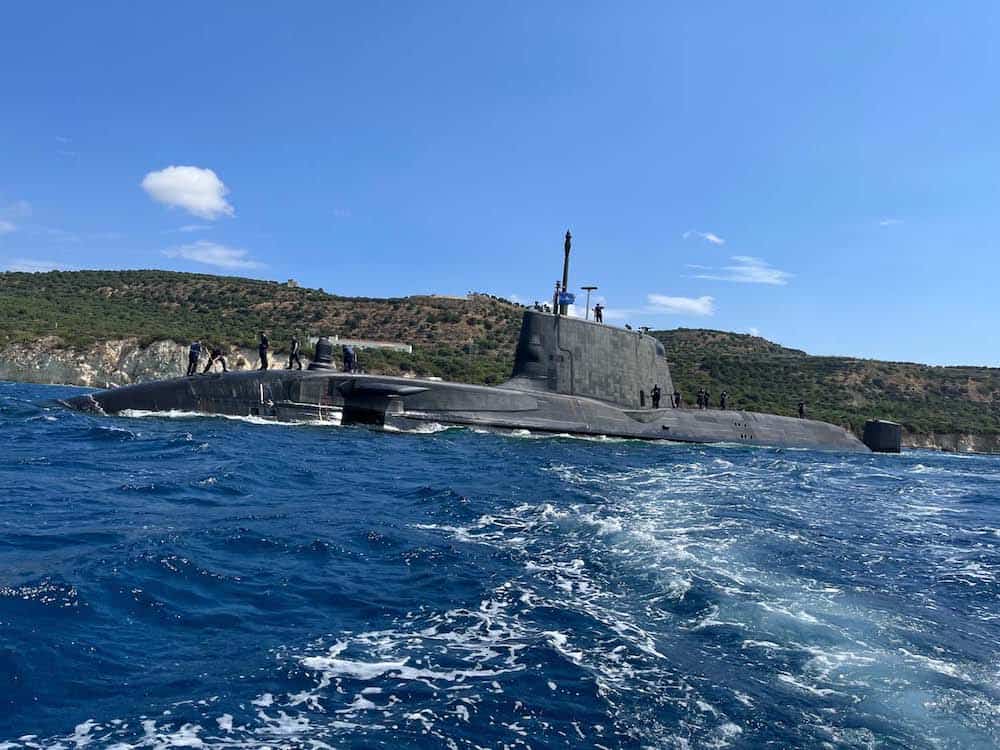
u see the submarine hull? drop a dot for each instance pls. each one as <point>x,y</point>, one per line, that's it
<point>413,404</point>
<point>570,376</point>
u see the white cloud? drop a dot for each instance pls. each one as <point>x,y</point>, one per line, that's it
<point>661,303</point>
<point>748,270</point>
<point>196,190</point>
<point>213,254</point>
<point>6,227</point>
<point>889,222</point>
<point>707,236</point>
<point>29,265</point>
<point>753,331</point>
<point>193,227</point>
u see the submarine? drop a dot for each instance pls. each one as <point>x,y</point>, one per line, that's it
<point>570,376</point>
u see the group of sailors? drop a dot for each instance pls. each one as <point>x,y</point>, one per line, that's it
<point>704,399</point>
<point>194,355</point>
<point>263,352</point>
<point>656,396</point>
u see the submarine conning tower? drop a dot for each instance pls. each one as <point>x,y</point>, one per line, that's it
<point>560,354</point>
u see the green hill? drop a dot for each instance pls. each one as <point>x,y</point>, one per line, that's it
<point>762,376</point>
<point>473,340</point>
<point>458,339</point>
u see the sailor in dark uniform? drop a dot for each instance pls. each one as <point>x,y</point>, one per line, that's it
<point>262,349</point>
<point>194,354</point>
<point>293,353</point>
<point>655,395</point>
<point>802,409</point>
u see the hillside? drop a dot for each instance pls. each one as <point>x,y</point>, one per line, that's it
<point>473,340</point>
<point>763,376</point>
<point>83,307</point>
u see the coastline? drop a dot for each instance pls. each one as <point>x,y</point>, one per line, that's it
<point>124,361</point>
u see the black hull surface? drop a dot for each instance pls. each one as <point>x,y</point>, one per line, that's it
<point>413,404</point>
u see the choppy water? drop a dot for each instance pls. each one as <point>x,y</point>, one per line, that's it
<point>205,582</point>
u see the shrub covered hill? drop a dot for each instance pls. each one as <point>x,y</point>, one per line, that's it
<point>473,340</point>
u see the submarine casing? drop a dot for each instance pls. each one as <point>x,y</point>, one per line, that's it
<point>570,376</point>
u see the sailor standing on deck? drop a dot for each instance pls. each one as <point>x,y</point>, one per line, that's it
<point>194,354</point>
<point>293,353</point>
<point>262,348</point>
<point>655,395</point>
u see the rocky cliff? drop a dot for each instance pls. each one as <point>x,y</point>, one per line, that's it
<point>953,442</point>
<point>105,364</point>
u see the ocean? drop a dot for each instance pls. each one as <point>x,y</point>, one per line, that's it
<point>208,582</point>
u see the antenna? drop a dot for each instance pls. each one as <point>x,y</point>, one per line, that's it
<point>588,290</point>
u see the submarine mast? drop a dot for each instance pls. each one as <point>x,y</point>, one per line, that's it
<point>563,307</point>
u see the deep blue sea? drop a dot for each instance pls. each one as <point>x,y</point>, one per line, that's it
<point>209,582</point>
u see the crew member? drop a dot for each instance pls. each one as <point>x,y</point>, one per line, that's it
<point>350,360</point>
<point>677,399</point>
<point>216,356</point>
<point>655,395</point>
<point>194,354</point>
<point>802,409</point>
<point>293,353</point>
<point>723,397</point>
<point>598,313</point>
<point>262,349</point>
<point>701,398</point>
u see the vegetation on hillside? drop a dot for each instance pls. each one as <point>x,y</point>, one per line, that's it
<point>473,340</point>
<point>762,376</point>
<point>458,339</point>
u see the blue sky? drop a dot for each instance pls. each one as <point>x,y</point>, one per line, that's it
<point>823,174</point>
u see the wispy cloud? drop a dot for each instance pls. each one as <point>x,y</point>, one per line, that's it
<point>213,254</point>
<point>753,331</point>
<point>63,139</point>
<point>32,265</point>
<point>889,222</point>
<point>747,270</point>
<point>193,228</point>
<point>6,227</point>
<point>198,191</point>
<point>707,236</point>
<point>661,303</point>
